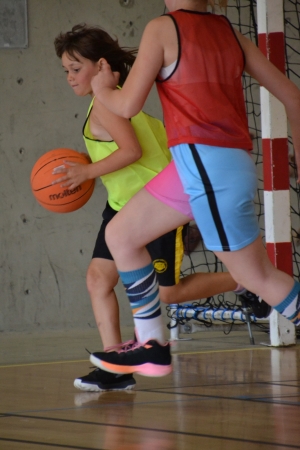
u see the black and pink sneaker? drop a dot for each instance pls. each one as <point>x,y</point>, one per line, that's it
<point>150,359</point>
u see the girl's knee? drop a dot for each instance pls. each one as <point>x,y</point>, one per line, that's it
<point>167,294</point>
<point>113,236</point>
<point>97,280</point>
<point>93,278</point>
<point>119,240</point>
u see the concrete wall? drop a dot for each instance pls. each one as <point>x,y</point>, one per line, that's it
<point>44,255</point>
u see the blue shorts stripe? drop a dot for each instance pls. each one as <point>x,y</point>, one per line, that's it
<point>211,198</point>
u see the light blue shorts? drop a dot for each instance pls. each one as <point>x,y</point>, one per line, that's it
<point>221,184</point>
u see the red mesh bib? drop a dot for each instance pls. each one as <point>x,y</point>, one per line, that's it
<point>203,99</point>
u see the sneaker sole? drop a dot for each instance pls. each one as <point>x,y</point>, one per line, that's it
<point>147,369</point>
<point>94,388</point>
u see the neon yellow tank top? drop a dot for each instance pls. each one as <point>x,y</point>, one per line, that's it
<point>122,184</point>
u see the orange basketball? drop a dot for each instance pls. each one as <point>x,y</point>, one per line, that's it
<point>53,197</point>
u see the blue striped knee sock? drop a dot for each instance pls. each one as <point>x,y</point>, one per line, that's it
<point>142,291</point>
<point>290,306</point>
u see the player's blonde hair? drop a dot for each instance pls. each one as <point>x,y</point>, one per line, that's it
<point>220,3</point>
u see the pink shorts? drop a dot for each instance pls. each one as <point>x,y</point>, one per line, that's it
<point>167,187</point>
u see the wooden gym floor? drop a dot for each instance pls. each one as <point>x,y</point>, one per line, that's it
<point>223,394</point>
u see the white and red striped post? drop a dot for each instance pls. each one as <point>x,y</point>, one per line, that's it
<point>275,161</point>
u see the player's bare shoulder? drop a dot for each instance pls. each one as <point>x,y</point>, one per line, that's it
<point>162,31</point>
<point>160,27</point>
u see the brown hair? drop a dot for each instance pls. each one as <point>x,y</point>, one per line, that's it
<point>93,43</point>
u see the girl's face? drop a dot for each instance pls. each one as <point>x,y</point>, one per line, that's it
<point>79,73</point>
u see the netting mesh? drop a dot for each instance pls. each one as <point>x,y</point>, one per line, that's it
<point>243,16</point>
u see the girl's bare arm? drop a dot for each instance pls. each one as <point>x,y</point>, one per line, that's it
<point>154,52</point>
<point>129,150</point>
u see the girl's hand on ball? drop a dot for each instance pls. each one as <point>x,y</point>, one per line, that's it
<point>74,174</point>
